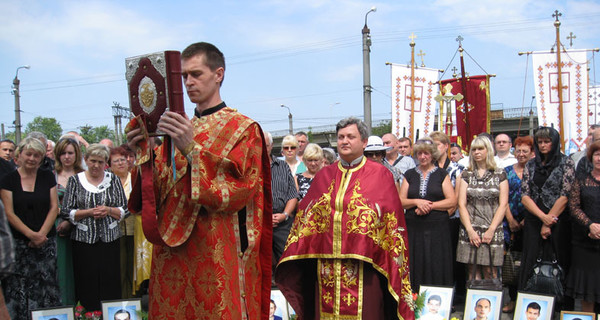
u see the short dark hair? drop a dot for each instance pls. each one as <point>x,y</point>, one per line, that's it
<point>301,133</point>
<point>8,140</point>
<point>534,305</point>
<point>486,299</point>
<point>405,139</point>
<point>123,311</point>
<point>213,57</point>
<point>435,297</point>
<point>593,148</point>
<point>360,125</point>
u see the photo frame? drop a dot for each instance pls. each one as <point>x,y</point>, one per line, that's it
<point>283,310</point>
<point>476,296</point>
<point>574,315</point>
<point>129,307</point>
<point>438,302</point>
<point>61,313</point>
<point>526,303</point>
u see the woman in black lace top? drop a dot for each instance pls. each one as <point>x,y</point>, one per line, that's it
<point>583,280</point>
<point>545,187</point>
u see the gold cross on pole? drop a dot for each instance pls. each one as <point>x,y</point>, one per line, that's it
<point>412,37</point>
<point>454,72</point>
<point>421,54</point>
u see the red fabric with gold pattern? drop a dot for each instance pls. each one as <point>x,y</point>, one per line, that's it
<point>351,214</point>
<point>201,272</point>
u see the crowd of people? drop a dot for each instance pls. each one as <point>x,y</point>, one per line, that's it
<point>225,219</point>
<point>66,204</point>
<point>464,211</point>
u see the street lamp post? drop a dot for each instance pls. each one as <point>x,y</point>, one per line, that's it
<point>15,91</point>
<point>366,41</point>
<point>289,118</point>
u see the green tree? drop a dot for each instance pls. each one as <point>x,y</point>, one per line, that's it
<point>381,129</point>
<point>95,134</point>
<point>48,126</point>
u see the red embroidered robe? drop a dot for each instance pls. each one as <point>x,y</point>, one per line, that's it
<point>348,247</point>
<point>201,272</point>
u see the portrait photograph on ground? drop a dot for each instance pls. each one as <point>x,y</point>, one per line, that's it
<point>575,315</point>
<point>279,306</point>
<point>121,309</point>
<point>533,307</point>
<point>61,313</point>
<point>483,305</point>
<point>438,302</point>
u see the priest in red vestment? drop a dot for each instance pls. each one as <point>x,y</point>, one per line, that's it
<point>347,253</point>
<point>212,228</point>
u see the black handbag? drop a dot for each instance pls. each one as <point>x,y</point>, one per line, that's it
<point>487,284</point>
<point>511,267</point>
<point>547,276</point>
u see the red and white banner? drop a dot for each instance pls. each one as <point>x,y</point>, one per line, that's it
<point>574,79</point>
<point>418,121</point>
<point>594,105</point>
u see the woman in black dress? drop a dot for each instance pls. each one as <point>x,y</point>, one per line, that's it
<point>545,188</point>
<point>583,281</point>
<point>31,203</point>
<point>427,195</point>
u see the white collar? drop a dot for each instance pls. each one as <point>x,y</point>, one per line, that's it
<point>105,184</point>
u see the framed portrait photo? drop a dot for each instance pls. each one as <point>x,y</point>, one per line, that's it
<point>279,306</point>
<point>574,315</point>
<point>121,309</point>
<point>438,302</point>
<point>534,307</point>
<point>483,305</point>
<point>62,313</point>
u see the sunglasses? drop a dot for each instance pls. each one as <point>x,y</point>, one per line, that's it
<point>289,148</point>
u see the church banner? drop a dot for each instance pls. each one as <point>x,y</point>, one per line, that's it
<point>574,78</point>
<point>594,105</point>
<point>475,119</point>
<point>418,121</point>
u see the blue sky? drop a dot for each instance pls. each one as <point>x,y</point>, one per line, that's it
<point>305,54</point>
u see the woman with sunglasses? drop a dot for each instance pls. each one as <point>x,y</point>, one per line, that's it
<point>67,155</point>
<point>289,149</point>
<point>427,195</point>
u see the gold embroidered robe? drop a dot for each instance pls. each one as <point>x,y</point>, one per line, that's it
<point>201,271</point>
<point>347,242</point>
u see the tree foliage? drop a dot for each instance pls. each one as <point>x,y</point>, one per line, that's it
<point>381,129</point>
<point>95,134</point>
<point>48,126</point>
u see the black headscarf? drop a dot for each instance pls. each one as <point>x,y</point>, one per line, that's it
<point>553,158</point>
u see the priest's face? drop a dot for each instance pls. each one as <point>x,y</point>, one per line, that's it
<point>202,83</point>
<point>349,143</point>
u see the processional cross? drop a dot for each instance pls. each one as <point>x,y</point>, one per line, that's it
<point>421,54</point>
<point>571,37</point>
<point>447,98</point>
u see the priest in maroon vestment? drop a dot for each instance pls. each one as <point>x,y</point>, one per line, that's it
<point>347,253</point>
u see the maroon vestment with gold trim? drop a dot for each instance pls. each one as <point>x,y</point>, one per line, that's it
<point>200,271</point>
<point>347,253</point>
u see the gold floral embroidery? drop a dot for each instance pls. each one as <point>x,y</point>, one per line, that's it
<point>327,278</point>
<point>315,219</point>
<point>349,273</point>
<point>382,228</point>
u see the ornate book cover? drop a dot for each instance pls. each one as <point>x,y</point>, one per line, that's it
<point>155,86</point>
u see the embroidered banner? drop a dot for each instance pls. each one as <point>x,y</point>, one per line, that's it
<point>574,94</point>
<point>594,105</point>
<point>475,119</point>
<point>425,90</point>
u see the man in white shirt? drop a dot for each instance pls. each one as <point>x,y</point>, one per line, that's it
<point>503,157</point>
